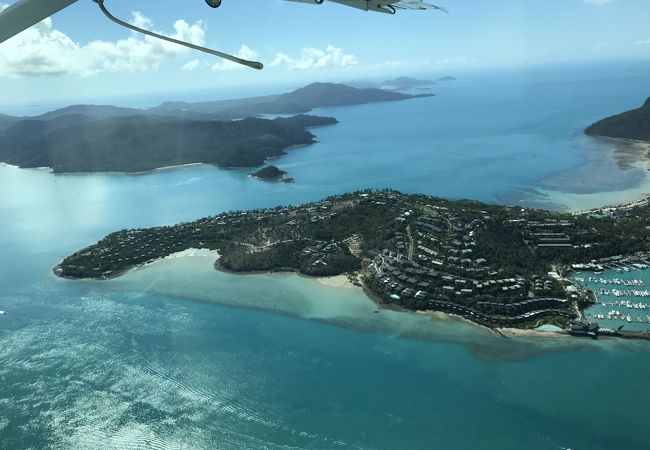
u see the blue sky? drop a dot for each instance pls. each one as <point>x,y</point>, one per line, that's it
<point>80,56</point>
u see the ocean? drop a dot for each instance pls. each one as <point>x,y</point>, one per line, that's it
<point>177,355</point>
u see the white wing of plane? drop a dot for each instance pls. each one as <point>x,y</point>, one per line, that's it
<point>25,13</point>
<point>384,6</point>
<point>416,4</point>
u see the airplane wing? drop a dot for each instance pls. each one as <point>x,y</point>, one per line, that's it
<point>385,6</point>
<point>25,13</point>
<point>416,4</point>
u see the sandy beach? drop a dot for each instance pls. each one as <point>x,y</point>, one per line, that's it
<point>190,252</point>
<point>338,281</point>
<point>194,252</point>
<point>506,332</point>
<point>517,332</point>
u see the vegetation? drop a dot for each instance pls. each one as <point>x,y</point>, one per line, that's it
<point>271,173</point>
<point>140,143</point>
<point>633,125</point>
<point>6,121</point>
<point>489,263</point>
<point>97,138</point>
<point>302,100</point>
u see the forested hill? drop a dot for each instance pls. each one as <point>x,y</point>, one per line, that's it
<point>6,121</point>
<point>633,124</point>
<point>73,143</point>
<point>101,138</point>
<point>302,100</point>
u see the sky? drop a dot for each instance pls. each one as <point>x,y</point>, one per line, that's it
<point>79,56</point>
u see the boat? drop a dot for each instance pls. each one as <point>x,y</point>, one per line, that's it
<point>2,313</point>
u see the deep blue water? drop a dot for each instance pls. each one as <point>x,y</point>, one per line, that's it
<point>174,356</point>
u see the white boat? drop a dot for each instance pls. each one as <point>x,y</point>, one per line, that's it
<point>2,313</point>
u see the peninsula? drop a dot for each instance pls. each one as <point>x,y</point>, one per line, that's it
<point>494,265</point>
<point>633,125</point>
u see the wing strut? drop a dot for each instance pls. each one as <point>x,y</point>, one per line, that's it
<point>252,64</point>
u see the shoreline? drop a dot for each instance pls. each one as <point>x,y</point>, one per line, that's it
<point>619,139</point>
<point>600,156</point>
<point>183,253</point>
<point>640,201</point>
<point>342,281</point>
<point>534,333</point>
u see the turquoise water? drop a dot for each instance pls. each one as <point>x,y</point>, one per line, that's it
<point>176,355</point>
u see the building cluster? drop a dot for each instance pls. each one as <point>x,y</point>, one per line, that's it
<point>433,260</point>
<point>555,233</point>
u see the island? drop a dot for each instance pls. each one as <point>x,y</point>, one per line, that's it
<point>142,143</point>
<point>302,100</point>
<point>402,83</point>
<point>227,133</point>
<point>632,125</point>
<point>498,266</point>
<point>269,173</point>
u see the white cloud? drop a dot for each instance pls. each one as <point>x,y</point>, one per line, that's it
<point>44,50</point>
<point>646,42</point>
<point>244,52</point>
<point>191,66</point>
<point>311,58</point>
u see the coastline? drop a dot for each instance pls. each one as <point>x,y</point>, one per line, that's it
<point>191,252</point>
<point>343,282</point>
<point>614,172</point>
<point>336,281</point>
<point>640,201</point>
<point>534,333</point>
<point>622,140</point>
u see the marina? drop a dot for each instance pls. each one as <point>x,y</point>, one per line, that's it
<point>621,299</point>
<point>610,281</point>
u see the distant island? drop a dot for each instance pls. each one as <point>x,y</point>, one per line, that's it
<point>303,100</point>
<point>494,265</point>
<point>271,173</point>
<point>633,125</point>
<point>407,83</point>
<point>96,138</point>
<point>400,83</point>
